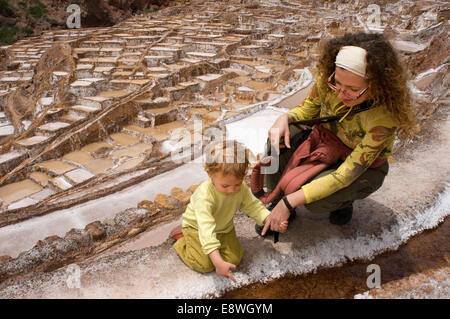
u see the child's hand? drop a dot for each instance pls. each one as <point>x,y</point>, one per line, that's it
<point>224,269</point>
<point>284,226</point>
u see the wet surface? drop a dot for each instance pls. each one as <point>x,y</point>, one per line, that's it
<point>429,250</point>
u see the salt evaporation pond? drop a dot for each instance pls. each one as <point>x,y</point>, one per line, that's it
<point>382,222</point>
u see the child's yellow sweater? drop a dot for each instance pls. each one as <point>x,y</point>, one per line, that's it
<point>370,134</point>
<point>212,212</point>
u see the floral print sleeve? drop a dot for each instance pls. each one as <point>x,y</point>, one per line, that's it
<point>378,130</point>
<point>309,108</point>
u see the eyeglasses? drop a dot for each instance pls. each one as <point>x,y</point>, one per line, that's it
<point>347,94</point>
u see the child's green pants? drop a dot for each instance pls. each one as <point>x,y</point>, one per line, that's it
<point>190,251</point>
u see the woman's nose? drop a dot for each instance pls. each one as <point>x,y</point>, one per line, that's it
<point>341,94</point>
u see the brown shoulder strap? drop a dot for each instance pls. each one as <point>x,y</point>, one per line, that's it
<point>361,108</point>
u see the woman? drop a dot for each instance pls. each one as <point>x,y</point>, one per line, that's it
<point>354,70</point>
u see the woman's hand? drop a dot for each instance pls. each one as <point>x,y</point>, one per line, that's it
<point>280,132</point>
<point>277,220</point>
<point>280,213</point>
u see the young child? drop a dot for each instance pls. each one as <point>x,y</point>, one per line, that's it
<point>208,240</point>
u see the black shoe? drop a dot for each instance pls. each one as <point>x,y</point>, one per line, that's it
<point>341,216</point>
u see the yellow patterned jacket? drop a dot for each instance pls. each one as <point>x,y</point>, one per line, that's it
<point>370,134</point>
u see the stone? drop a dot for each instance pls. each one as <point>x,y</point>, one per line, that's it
<point>150,207</point>
<point>167,202</point>
<point>8,161</point>
<point>81,237</point>
<point>96,230</point>
<point>48,241</point>
<point>133,232</point>
<point>178,194</point>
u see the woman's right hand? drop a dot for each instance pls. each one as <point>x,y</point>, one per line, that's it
<point>279,133</point>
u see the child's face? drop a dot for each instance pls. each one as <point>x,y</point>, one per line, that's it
<point>227,184</point>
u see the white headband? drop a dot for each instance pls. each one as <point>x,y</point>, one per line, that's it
<point>352,59</point>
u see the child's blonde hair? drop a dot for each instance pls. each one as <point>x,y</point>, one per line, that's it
<point>228,157</point>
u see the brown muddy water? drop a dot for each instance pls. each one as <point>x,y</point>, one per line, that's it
<point>426,251</point>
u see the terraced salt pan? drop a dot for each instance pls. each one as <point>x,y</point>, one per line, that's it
<point>80,83</point>
<point>34,140</point>
<point>54,126</point>
<point>6,130</point>
<point>9,156</point>
<point>381,222</point>
<point>23,236</point>
<point>107,207</point>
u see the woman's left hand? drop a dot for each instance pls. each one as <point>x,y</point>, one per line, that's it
<point>278,215</point>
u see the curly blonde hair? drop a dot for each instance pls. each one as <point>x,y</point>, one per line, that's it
<point>228,157</point>
<point>384,74</point>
